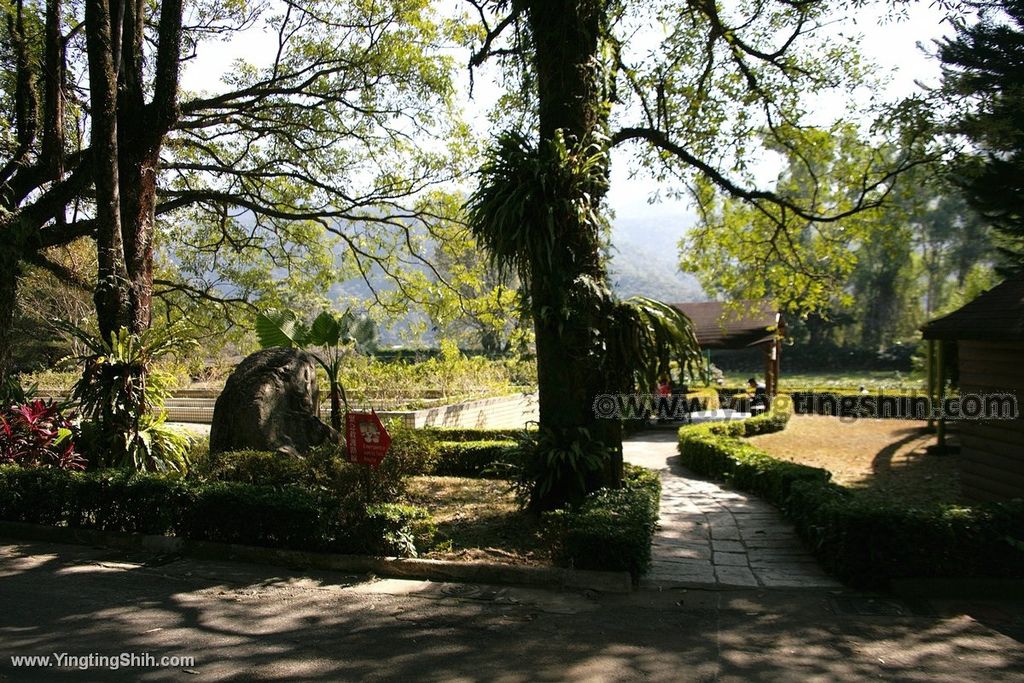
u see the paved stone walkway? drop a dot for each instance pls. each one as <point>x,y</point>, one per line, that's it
<point>709,535</point>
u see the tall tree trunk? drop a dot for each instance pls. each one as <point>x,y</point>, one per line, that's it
<point>130,133</point>
<point>569,295</point>
<point>127,134</point>
<point>112,306</point>
<point>9,273</point>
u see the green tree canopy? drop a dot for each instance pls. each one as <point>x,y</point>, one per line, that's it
<point>983,76</point>
<point>338,135</point>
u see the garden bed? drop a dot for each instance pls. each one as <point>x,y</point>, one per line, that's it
<point>323,504</point>
<point>478,519</point>
<point>883,459</point>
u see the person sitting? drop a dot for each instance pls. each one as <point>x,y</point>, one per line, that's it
<point>759,403</point>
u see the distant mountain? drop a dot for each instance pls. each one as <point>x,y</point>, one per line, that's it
<point>645,262</point>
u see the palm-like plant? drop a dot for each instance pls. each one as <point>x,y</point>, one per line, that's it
<point>123,397</point>
<point>335,335</point>
<point>650,335</point>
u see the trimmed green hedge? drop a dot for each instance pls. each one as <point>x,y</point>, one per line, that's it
<point>858,540</point>
<point>612,529</point>
<point>226,512</point>
<point>868,544</point>
<point>470,433</point>
<point>484,459</point>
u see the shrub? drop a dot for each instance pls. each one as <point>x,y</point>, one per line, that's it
<point>486,459</point>
<point>715,451</point>
<point>472,433</point>
<point>703,398</point>
<point>392,529</point>
<point>612,528</point>
<point>125,501</point>
<point>232,512</point>
<point>413,451</point>
<point>324,470</point>
<point>109,500</point>
<point>38,434</point>
<point>227,512</point>
<point>122,394</point>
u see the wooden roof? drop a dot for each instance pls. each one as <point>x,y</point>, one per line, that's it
<point>996,315</point>
<point>717,327</point>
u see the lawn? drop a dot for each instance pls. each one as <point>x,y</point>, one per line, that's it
<point>872,380</point>
<point>884,458</point>
<point>478,519</point>
<point>838,380</point>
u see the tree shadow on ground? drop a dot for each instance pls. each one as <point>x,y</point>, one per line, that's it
<point>282,626</point>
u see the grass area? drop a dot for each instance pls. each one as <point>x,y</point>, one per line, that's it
<point>883,458</point>
<point>872,380</point>
<point>852,381</point>
<point>478,519</point>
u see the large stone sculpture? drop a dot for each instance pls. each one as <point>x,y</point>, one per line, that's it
<point>270,403</point>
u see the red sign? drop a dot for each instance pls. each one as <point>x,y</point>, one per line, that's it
<point>367,439</point>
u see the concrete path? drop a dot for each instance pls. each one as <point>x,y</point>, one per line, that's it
<point>711,536</point>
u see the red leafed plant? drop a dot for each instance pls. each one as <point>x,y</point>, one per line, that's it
<point>38,434</point>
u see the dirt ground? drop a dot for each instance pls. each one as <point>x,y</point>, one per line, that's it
<point>478,519</point>
<point>884,457</point>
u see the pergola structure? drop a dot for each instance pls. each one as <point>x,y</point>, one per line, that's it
<point>740,325</point>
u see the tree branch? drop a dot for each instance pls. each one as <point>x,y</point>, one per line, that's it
<point>882,184</point>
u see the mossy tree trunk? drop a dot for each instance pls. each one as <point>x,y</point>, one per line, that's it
<point>9,271</point>
<point>127,134</point>
<point>570,299</point>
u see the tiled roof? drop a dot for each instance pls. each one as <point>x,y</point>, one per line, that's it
<point>723,326</point>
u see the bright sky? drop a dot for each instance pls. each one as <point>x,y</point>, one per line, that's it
<point>892,45</point>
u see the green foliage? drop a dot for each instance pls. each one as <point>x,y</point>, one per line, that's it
<point>231,512</point>
<point>612,528</point>
<point>983,68</point>
<point>862,542</point>
<point>314,181</point>
<point>529,194</point>
<point>122,395</point>
<point>260,468</point>
<point>220,511</point>
<point>450,376</point>
<point>392,529</point>
<point>471,433</point>
<point>868,544</point>
<point>415,450</point>
<point>325,470</point>
<point>333,333</point>
<point>753,250</point>
<point>648,336</point>
<point>474,303</point>
<point>486,459</point>
<point>109,500</point>
<point>14,392</point>
<point>557,460</point>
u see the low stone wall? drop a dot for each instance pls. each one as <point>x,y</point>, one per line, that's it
<point>506,412</point>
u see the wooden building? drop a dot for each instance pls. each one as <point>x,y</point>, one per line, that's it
<point>989,334</point>
<point>740,325</point>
